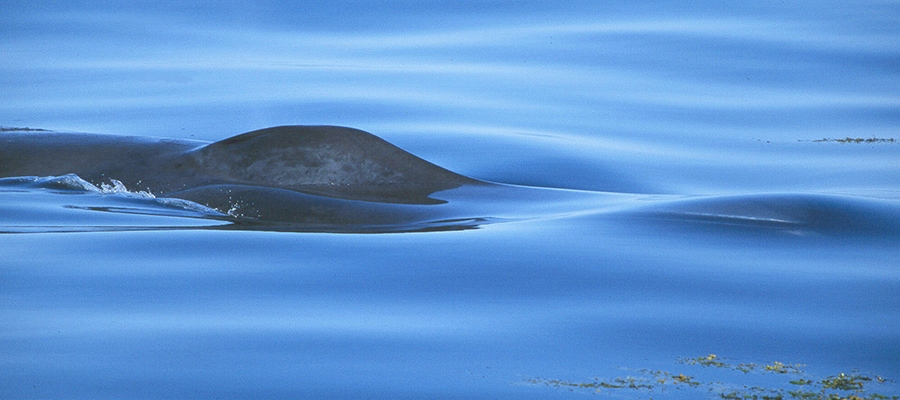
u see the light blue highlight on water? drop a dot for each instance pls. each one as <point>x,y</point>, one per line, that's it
<point>695,99</point>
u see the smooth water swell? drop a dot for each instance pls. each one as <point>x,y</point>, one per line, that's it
<point>665,72</point>
<point>468,315</point>
<point>733,231</point>
<point>69,203</point>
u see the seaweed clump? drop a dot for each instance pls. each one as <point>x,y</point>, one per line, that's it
<point>800,385</point>
<point>16,129</point>
<point>646,380</point>
<point>859,140</point>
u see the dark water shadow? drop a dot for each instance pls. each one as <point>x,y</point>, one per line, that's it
<point>69,204</point>
<point>774,215</point>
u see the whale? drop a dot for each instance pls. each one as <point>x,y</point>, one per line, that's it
<point>331,161</point>
<point>313,175</point>
<point>322,178</point>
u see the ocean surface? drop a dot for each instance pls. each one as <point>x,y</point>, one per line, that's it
<point>702,201</point>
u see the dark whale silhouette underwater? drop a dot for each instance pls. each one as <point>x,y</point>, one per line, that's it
<point>338,179</point>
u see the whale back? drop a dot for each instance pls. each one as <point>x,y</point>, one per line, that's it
<point>326,160</point>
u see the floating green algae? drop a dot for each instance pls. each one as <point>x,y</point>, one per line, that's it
<point>17,129</point>
<point>859,140</point>
<point>796,383</point>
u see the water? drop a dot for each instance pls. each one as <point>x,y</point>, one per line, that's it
<point>679,200</point>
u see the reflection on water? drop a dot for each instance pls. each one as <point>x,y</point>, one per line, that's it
<point>765,72</point>
<point>706,216</point>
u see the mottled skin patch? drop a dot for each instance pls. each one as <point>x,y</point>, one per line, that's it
<point>327,160</point>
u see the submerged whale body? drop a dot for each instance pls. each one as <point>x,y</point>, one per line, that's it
<point>336,179</point>
<point>322,175</point>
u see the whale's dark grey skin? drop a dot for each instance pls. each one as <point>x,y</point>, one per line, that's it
<point>308,174</point>
<point>335,179</point>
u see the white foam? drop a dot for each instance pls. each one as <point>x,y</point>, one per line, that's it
<point>117,187</point>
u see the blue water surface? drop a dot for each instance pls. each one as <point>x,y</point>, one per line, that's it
<point>685,192</point>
